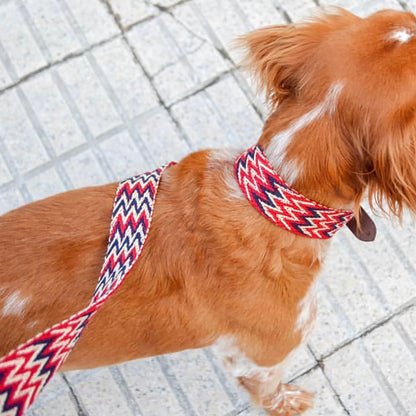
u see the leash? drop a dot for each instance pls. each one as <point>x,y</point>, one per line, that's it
<point>25,371</point>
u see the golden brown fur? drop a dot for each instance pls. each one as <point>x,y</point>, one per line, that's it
<point>212,266</point>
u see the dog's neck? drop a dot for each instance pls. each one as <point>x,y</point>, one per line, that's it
<point>308,153</point>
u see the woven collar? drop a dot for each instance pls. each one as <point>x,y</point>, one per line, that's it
<point>280,203</point>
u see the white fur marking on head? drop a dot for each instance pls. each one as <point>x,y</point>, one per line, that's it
<point>402,35</point>
<point>14,304</point>
<point>276,151</point>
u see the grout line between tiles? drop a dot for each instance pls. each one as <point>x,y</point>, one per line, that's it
<point>175,386</point>
<point>76,400</point>
<point>121,383</point>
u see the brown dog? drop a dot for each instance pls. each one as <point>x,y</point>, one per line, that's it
<point>213,270</point>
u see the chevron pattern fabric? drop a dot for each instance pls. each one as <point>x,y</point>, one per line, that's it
<point>280,203</point>
<point>25,371</point>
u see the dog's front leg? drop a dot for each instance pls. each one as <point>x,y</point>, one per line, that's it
<point>264,384</point>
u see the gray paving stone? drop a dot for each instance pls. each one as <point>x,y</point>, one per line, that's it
<point>124,156</point>
<point>84,170</point>
<point>5,79</point>
<point>408,320</point>
<point>330,329</point>
<point>100,395</point>
<point>155,51</point>
<point>45,184</point>
<point>132,11</point>
<point>150,389</point>
<point>5,175</point>
<point>89,95</point>
<point>363,8</point>
<point>51,22</point>
<point>396,284</point>
<point>396,362</point>
<point>225,120</point>
<point>172,79</point>
<point>236,112</point>
<point>18,134</point>
<point>225,23</point>
<point>9,199</point>
<point>248,84</point>
<point>302,361</point>
<point>161,138</point>
<point>411,5</point>
<point>358,387</point>
<point>53,113</point>
<point>188,59</point>
<point>348,283</point>
<point>126,78</point>
<point>165,3</point>
<point>196,376</point>
<point>404,238</point>
<point>17,41</point>
<point>187,15</point>
<point>92,18</point>
<point>253,411</point>
<point>260,13</point>
<point>201,123</point>
<point>298,9</point>
<point>372,6</point>
<point>55,400</point>
<point>60,406</point>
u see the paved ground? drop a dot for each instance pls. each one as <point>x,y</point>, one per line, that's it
<point>92,91</point>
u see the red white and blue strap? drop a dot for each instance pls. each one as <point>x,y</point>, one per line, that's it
<point>280,203</point>
<point>26,370</point>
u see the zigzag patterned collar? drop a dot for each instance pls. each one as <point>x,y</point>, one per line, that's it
<point>280,203</point>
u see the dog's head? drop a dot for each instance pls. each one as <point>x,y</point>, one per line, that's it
<point>362,72</point>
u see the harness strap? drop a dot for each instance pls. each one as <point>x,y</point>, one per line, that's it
<point>25,371</point>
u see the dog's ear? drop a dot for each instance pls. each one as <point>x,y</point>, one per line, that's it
<point>283,58</point>
<point>276,55</point>
<point>392,181</point>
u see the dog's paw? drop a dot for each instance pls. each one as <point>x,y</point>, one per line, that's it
<point>289,401</point>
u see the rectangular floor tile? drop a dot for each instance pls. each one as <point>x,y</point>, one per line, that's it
<point>197,378</point>
<point>58,123</point>
<point>125,76</point>
<point>18,42</point>
<point>92,18</point>
<point>356,384</point>
<point>150,389</point>
<point>18,134</point>
<point>161,138</point>
<point>396,362</point>
<point>100,395</point>
<point>53,27</point>
<point>89,95</point>
<point>124,156</point>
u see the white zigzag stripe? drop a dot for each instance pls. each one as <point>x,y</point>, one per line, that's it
<point>11,412</point>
